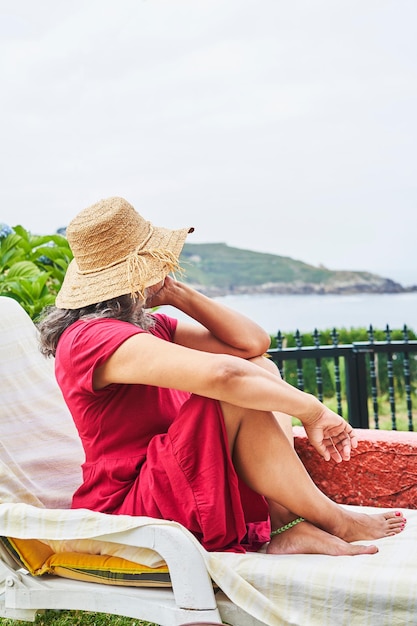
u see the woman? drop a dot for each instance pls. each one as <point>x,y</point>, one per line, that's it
<point>185,421</point>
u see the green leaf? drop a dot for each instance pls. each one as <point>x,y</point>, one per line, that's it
<point>23,269</point>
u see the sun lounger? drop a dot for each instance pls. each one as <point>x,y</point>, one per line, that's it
<point>155,570</point>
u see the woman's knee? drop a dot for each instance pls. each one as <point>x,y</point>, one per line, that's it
<point>267,364</point>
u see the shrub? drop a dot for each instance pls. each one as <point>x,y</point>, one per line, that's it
<point>32,267</point>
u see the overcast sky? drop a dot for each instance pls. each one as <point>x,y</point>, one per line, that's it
<point>283,126</point>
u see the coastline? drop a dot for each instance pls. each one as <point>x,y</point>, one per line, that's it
<point>305,289</point>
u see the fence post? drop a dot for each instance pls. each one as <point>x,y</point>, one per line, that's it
<point>356,388</point>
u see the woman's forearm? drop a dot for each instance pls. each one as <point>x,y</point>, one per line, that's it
<point>249,386</point>
<point>229,326</point>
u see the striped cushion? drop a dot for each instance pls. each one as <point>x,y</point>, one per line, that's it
<point>39,559</point>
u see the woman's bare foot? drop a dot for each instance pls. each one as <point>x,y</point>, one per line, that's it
<point>305,538</point>
<point>362,527</point>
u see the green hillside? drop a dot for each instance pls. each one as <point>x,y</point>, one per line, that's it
<point>216,266</point>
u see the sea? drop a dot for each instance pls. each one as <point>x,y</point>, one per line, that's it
<point>289,313</point>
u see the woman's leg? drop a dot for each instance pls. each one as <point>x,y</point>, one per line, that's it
<point>308,538</point>
<point>279,514</point>
<point>267,462</point>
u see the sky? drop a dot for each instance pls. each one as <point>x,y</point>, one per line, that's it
<point>280,126</point>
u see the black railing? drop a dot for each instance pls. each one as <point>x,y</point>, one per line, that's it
<point>356,379</point>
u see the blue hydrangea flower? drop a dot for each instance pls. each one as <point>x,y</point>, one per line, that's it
<point>5,230</point>
<point>43,258</point>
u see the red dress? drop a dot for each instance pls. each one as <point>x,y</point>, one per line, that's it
<point>152,451</point>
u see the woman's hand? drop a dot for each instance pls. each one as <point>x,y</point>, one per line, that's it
<point>219,329</point>
<point>331,436</point>
<point>158,294</point>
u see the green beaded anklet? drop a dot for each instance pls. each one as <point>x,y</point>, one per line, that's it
<point>278,531</point>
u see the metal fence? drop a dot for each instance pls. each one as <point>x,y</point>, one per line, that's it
<point>371,383</point>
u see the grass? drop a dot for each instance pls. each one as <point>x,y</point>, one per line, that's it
<point>76,618</point>
<point>384,413</point>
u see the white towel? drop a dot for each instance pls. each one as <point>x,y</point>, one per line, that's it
<point>40,452</point>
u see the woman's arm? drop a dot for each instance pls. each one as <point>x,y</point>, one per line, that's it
<point>220,329</point>
<point>145,359</point>
<point>148,360</point>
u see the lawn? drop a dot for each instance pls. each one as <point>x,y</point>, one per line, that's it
<point>76,618</point>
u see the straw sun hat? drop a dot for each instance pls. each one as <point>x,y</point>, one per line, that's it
<point>116,252</point>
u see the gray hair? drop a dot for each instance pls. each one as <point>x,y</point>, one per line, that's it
<point>54,321</point>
